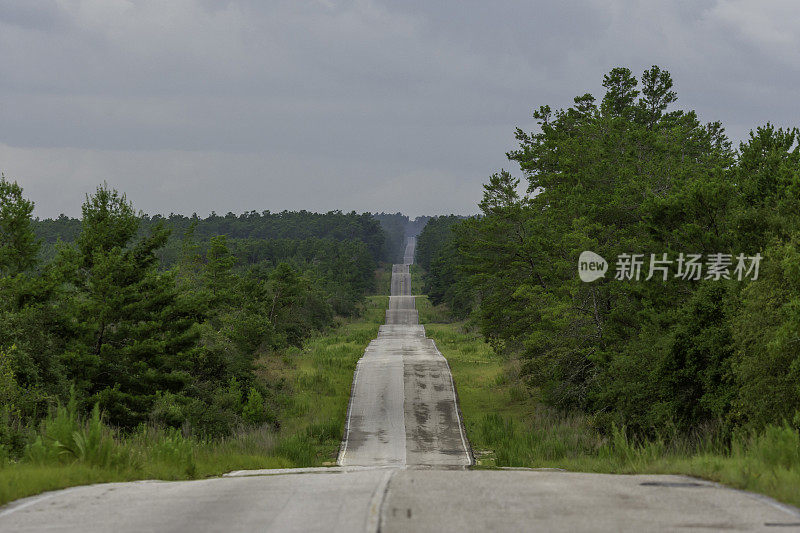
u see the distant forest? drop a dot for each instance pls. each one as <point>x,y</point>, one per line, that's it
<point>339,250</point>
<point>245,229</point>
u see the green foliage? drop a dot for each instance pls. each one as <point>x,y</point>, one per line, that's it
<point>778,447</point>
<point>18,243</point>
<point>299,449</point>
<point>436,254</point>
<point>632,176</point>
<point>169,409</point>
<point>11,438</point>
<point>173,448</point>
<point>122,357</point>
<point>166,329</point>
<point>135,335</point>
<point>337,251</point>
<point>9,390</point>
<point>255,412</point>
<point>766,334</point>
<point>67,437</point>
<point>109,222</point>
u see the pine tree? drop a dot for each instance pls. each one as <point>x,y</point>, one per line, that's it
<point>137,335</point>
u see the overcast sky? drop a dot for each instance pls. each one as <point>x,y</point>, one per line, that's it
<point>200,105</point>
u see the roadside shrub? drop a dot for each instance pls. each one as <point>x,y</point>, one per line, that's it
<point>55,432</point>
<point>211,420</point>
<point>173,448</point>
<point>255,412</point>
<point>66,437</point>
<point>92,443</point>
<point>168,409</point>
<point>776,447</point>
<point>11,436</point>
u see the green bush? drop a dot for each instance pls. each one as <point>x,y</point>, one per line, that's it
<point>66,437</point>
<point>174,449</point>
<point>91,443</point>
<point>255,411</point>
<point>776,447</point>
<point>11,436</point>
<point>168,409</point>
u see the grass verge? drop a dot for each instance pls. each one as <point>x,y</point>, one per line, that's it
<point>80,451</point>
<point>507,427</point>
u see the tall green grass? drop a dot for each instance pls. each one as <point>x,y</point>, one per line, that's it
<point>69,449</point>
<point>323,374</point>
<point>383,279</point>
<point>508,427</point>
<point>429,313</point>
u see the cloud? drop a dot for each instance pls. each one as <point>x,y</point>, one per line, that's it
<point>768,26</point>
<point>194,105</point>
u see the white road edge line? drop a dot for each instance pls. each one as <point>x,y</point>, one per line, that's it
<point>455,402</point>
<point>19,505</point>
<point>786,508</point>
<point>350,411</point>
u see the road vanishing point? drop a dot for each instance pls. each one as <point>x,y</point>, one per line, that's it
<point>404,465</point>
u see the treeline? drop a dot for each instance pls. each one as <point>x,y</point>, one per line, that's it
<point>628,175</point>
<point>437,255</point>
<point>101,321</point>
<point>294,225</point>
<point>339,250</point>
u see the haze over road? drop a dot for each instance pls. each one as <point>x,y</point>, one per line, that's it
<point>403,467</point>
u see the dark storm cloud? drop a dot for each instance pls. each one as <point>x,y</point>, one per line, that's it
<point>211,105</point>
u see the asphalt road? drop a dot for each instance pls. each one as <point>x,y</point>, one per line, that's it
<point>403,408</point>
<point>403,467</point>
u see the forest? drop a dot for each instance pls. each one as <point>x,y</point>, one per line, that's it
<point>159,321</point>
<point>704,357</point>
